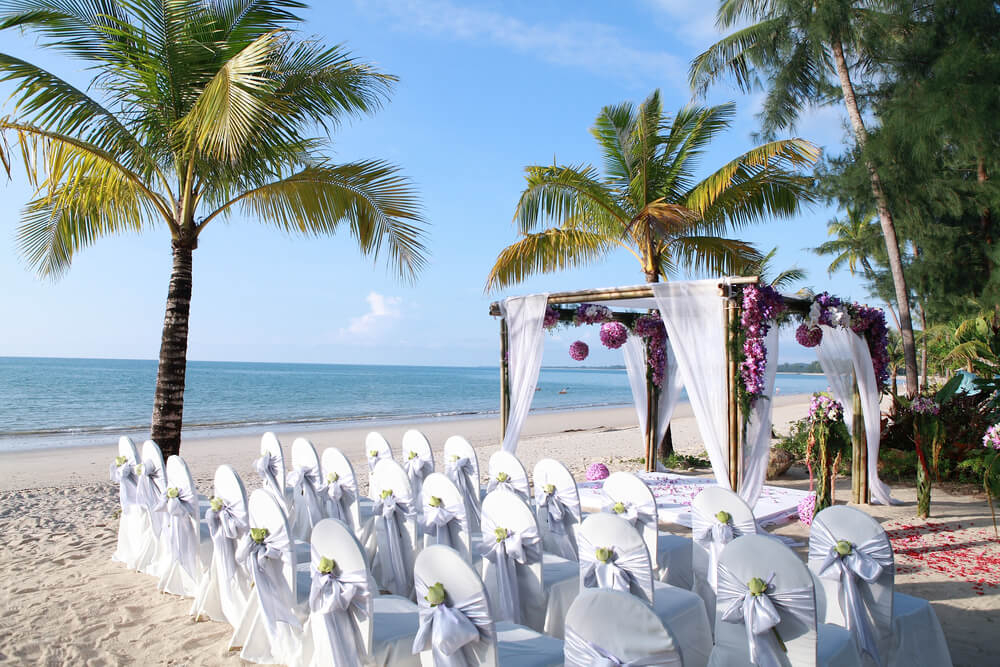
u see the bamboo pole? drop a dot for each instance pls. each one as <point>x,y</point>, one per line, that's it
<point>504,380</point>
<point>731,408</point>
<point>859,449</point>
<point>651,417</point>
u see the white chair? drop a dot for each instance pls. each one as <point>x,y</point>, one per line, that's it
<point>133,524</point>
<point>612,627</point>
<point>856,591</point>
<point>185,542</point>
<point>516,571</point>
<point>449,590</point>
<point>307,488</point>
<point>758,574</point>
<point>418,461</point>
<point>461,465</point>
<point>718,516</point>
<point>670,554</point>
<point>271,628</point>
<point>557,506</point>
<point>508,473</point>
<point>376,449</point>
<point>225,588</point>
<point>271,468</point>
<point>150,485</point>
<point>443,516</point>
<point>343,500</point>
<point>393,533</point>
<point>349,622</point>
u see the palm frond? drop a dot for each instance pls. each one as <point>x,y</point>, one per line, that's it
<point>558,193</point>
<point>546,252</point>
<point>714,255</point>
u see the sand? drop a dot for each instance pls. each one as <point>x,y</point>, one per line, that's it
<point>64,601</point>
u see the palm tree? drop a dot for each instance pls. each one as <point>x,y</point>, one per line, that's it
<point>649,202</point>
<point>763,269</point>
<point>198,109</point>
<point>802,47</point>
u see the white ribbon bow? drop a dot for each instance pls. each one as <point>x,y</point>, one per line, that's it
<point>463,474</point>
<point>372,460</point>
<point>340,494</point>
<point>517,548</point>
<point>267,467</point>
<point>182,537</point>
<point>265,561</point>
<point>643,513</point>
<point>626,570</point>
<point>342,599</point>
<point>148,489</point>
<point>453,632</point>
<point>510,484</point>
<point>226,526</point>
<point>306,487</point>
<point>760,613</point>
<point>417,468</point>
<point>391,512</point>
<point>578,652</point>
<point>124,475</point>
<point>443,521</point>
<point>866,562</point>
<point>713,535</point>
<point>563,507</point>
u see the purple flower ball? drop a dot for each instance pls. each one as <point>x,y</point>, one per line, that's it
<point>597,472</point>
<point>579,350</point>
<point>613,335</point>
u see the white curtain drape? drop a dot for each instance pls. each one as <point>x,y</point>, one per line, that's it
<point>525,344</point>
<point>670,388</point>
<point>757,449</point>
<point>692,313</point>
<point>843,356</point>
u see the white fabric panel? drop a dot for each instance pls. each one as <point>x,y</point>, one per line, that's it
<point>526,342</point>
<point>692,313</point>
<point>841,353</point>
<point>757,449</point>
<point>634,352</point>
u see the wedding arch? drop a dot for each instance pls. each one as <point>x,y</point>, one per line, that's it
<point>708,350</point>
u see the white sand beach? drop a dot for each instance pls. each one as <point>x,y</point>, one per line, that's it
<point>65,602</point>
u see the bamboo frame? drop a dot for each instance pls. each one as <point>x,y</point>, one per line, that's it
<point>504,380</point>
<point>860,493</point>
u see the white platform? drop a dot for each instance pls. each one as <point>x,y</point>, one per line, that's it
<point>674,494</point>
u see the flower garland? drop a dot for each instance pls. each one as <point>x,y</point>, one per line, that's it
<point>762,305</point>
<point>863,320</point>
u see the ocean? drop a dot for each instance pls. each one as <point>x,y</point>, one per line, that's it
<point>46,402</point>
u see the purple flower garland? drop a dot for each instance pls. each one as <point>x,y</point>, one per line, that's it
<point>761,306</point>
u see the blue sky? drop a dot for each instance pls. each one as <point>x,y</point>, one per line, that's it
<point>485,89</point>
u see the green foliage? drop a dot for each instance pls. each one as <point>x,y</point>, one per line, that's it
<point>683,461</point>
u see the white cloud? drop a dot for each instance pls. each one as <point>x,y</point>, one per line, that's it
<point>381,310</point>
<point>692,22</point>
<point>595,47</point>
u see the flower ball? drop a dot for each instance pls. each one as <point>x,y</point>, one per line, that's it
<point>579,350</point>
<point>597,471</point>
<point>613,335</point>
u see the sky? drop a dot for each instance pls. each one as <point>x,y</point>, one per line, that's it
<point>485,89</point>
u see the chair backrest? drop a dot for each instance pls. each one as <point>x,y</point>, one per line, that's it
<point>853,525</point>
<point>128,449</point>
<point>180,476</point>
<point>438,485</point>
<point>415,441</point>
<point>304,454</point>
<point>264,511</point>
<point>761,556</point>
<point>388,474</point>
<point>619,624</point>
<point>444,565</point>
<point>458,446</point>
<point>550,471</point>
<point>628,487</point>
<point>334,461</point>
<point>334,539</point>
<point>504,509</point>
<point>151,456</point>
<point>376,442</point>
<point>609,531</point>
<point>269,444</point>
<point>501,461</point>
<point>704,507</point>
<point>714,499</point>
<point>228,486</point>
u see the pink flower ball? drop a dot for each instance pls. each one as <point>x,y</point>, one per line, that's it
<point>597,472</point>
<point>807,508</point>
<point>613,335</point>
<point>579,350</point>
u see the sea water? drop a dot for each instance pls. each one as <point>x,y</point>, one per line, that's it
<point>67,402</point>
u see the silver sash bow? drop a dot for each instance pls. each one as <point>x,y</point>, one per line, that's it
<point>453,632</point>
<point>124,475</point>
<point>463,474</point>
<point>760,613</point>
<point>265,562</point>
<point>342,599</point>
<point>416,469</point>
<point>382,454</point>
<point>518,548</point>
<point>626,570</point>
<point>226,527</point>
<point>307,486</point>
<point>713,535</point>
<point>182,534</point>
<point>866,562</point>
<point>509,484</point>
<point>639,515</point>
<point>267,466</point>
<point>149,486</point>
<point>391,514</point>
<point>579,652</point>
<point>443,522</point>
<point>563,508</point>
<point>340,495</point>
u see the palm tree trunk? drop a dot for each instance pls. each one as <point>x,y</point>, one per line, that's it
<point>885,217</point>
<point>168,403</point>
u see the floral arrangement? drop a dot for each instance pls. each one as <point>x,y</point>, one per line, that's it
<point>597,472</point>
<point>992,437</point>
<point>863,320</point>
<point>822,408</point>
<point>928,438</point>
<point>991,479</point>
<point>761,306</point>
<point>824,441</point>
<point>613,335</point>
<point>579,350</point>
<point>551,318</point>
<point>925,406</point>
<point>807,509</point>
<point>651,328</point>
<point>591,313</point>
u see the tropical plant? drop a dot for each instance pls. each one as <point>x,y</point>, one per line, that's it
<point>976,345</point>
<point>649,202</point>
<point>197,110</point>
<point>763,268</point>
<point>810,52</point>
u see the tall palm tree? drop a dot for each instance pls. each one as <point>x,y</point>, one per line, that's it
<point>648,201</point>
<point>807,50</point>
<point>198,110</point>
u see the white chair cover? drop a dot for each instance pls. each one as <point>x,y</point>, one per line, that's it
<point>710,536</point>
<point>271,468</point>
<point>394,527</point>
<point>443,515</point>
<point>623,568</point>
<point>503,550</point>
<point>418,461</point>
<point>557,506</point>
<point>453,630</point>
<point>186,541</point>
<point>133,525</point>
<point>341,489</point>
<point>508,473</point>
<point>462,468</point>
<point>307,489</point>
<point>376,449</point>
<point>151,482</point>
<point>338,601</point>
<point>611,628</point>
